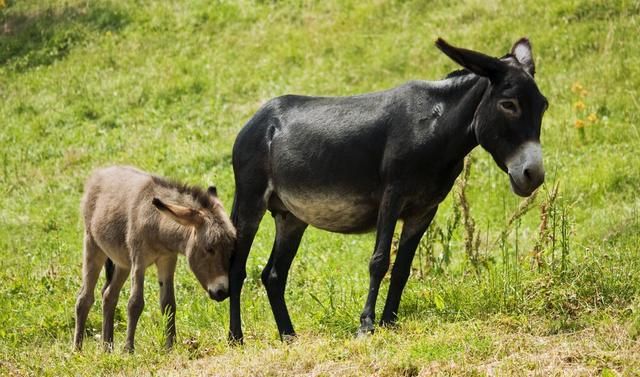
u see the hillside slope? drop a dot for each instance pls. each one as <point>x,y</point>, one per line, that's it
<point>166,86</point>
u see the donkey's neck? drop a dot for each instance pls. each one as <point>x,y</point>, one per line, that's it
<point>461,96</point>
<point>174,237</point>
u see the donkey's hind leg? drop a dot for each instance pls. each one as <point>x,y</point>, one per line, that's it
<point>109,301</point>
<point>289,231</point>
<point>248,210</point>
<point>93,260</point>
<point>166,271</point>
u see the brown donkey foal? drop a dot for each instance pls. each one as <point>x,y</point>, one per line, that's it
<point>132,220</point>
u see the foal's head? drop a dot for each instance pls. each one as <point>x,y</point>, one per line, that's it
<point>210,244</point>
<point>508,119</point>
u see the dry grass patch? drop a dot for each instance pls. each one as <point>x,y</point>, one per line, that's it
<point>461,350</point>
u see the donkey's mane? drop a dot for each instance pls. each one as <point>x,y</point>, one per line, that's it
<point>199,195</point>
<point>458,73</point>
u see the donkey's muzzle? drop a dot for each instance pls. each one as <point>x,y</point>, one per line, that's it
<point>525,168</point>
<point>219,289</point>
<point>218,294</point>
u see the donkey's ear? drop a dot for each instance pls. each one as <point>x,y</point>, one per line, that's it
<point>521,50</point>
<point>476,62</point>
<point>212,190</point>
<point>180,214</point>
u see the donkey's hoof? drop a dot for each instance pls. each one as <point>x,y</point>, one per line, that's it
<point>364,333</point>
<point>107,347</point>
<point>366,329</point>
<point>391,323</point>
<point>288,338</point>
<point>235,340</point>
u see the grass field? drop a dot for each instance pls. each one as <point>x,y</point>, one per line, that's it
<point>166,87</point>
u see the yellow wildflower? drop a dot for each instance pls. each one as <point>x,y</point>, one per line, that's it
<point>579,105</point>
<point>576,87</point>
<point>2,4</point>
<point>584,93</point>
<point>579,123</point>
<point>592,117</point>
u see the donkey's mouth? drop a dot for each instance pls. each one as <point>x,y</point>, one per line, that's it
<point>518,190</point>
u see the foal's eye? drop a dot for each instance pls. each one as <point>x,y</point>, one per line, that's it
<point>211,250</point>
<point>509,106</point>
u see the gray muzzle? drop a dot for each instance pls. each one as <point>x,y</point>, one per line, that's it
<point>525,168</point>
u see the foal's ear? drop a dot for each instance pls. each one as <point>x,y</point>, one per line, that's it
<point>476,62</point>
<point>521,50</point>
<point>180,214</point>
<point>212,190</point>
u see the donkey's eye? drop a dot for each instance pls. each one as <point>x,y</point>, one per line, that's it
<point>211,250</point>
<point>509,106</point>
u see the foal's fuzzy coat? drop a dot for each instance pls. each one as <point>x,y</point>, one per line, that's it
<point>132,220</point>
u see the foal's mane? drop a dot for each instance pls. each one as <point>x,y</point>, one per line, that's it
<point>199,195</point>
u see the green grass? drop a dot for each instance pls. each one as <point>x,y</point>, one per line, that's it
<point>166,87</point>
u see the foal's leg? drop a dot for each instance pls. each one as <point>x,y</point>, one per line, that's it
<point>166,270</point>
<point>412,232</point>
<point>246,215</point>
<point>93,260</point>
<point>379,264</point>
<point>110,295</point>
<point>136,302</point>
<point>289,231</point>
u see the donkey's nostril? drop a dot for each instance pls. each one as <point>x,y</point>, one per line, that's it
<point>533,176</point>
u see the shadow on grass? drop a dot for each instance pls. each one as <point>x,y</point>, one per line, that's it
<point>30,39</point>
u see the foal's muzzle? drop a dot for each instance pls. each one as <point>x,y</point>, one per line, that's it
<point>218,294</point>
<point>219,289</point>
<point>525,168</point>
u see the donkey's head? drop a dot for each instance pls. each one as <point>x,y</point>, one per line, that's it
<point>210,243</point>
<point>507,120</point>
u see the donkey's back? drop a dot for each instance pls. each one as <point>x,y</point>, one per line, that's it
<point>114,198</point>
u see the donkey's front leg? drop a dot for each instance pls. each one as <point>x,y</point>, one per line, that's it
<point>136,303</point>
<point>412,231</point>
<point>109,301</point>
<point>379,264</point>
<point>166,271</point>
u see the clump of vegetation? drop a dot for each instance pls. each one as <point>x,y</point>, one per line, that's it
<point>585,115</point>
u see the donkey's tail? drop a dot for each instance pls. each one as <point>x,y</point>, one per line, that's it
<point>108,273</point>
<point>234,209</point>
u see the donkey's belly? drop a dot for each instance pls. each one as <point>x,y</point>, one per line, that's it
<point>341,213</point>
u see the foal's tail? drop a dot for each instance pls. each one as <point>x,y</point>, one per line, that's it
<point>108,273</point>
